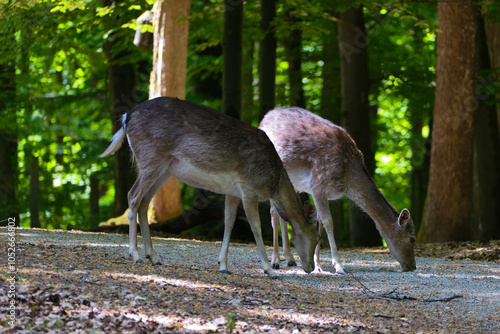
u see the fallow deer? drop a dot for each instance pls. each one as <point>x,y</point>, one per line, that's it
<point>323,160</point>
<point>207,149</point>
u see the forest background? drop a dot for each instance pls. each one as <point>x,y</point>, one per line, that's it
<point>69,68</point>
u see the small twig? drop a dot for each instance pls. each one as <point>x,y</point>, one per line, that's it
<point>447,299</point>
<point>394,294</point>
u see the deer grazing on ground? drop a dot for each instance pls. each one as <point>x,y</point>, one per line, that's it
<point>323,160</point>
<point>207,149</point>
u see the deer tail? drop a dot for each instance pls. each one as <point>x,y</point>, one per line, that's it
<point>117,140</point>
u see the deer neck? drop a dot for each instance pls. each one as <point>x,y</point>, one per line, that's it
<point>373,202</point>
<point>286,199</point>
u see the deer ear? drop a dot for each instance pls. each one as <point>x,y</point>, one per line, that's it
<point>309,209</point>
<point>404,218</point>
<point>282,215</point>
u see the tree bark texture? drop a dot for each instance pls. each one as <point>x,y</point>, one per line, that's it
<point>493,41</point>
<point>449,204</point>
<point>8,134</point>
<point>267,68</point>
<point>34,193</point>
<point>330,109</point>
<point>122,97</point>
<point>330,92</point>
<point>355,84</point>
<point>232,67</point>
<point>248,112</point>
<point>122,81</point>
<point>293,53</point>
<point>168,78</point>
<point>94,201</point>
<point>486,149</point>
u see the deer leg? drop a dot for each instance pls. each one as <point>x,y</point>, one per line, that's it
<point>230,211</point>
<point>143,218</point>
<point>317,265</point>
<point>135,196</point>
<point>287,250</point>
<point>325,218</point>
<point>275,260</point>
<point>251,207</point>
<point>132,235</point>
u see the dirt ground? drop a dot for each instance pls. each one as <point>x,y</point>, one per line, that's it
<point>75,282</point>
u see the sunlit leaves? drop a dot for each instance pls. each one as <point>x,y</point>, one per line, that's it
<point>62,106</point>
<point>69,5</point>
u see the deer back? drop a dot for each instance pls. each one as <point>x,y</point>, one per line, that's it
<point>314,151</point>
<point>193,138</point>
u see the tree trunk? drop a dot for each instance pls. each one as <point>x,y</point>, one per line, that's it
<point>168,78</point>
<point>122,96</point>
<point>267,68</point>
<point>94,201</point>
<point>248,113</point>
<point>34,193</point>
<point>8,174</point>
<point>486,150</point>
<point>449,204</point>
<point>232,69</point>
<point>330,109</point>
<point>355,110</point>
<point>122,81</point>
<point>420,146</point>
<point>330,92</point>
<point>8,134</point>
<point>493,41</point>
<point>293,53</point>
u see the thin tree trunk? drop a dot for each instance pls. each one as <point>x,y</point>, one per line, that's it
<point>121,87</point>
<point>8,174</point>
<point>493,41</point>
<point>94,201</point>
<point>330,109</point>
<point>247,96</point>
<point>355,110</point>
<point>293,52</point>
<point>168,78</point>
<point>267,68</point>
<point>449,204</point>
<point>330,92</point>
<point>34,193</point>
<point>8,134</point>
<point>122,96</point>
<point>486,150</point>
<point>420,162</point>
<point>232,71</point>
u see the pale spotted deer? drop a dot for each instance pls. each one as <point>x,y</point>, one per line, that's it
<point>322,159</point>
<point>207,149</point>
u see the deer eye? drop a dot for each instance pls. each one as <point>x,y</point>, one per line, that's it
<point>412,240</point>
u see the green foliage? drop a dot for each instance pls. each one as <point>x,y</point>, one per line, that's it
<point>401,43</point>
<point>231,321</point>
<point>61,108</point>
<point>62,105</point>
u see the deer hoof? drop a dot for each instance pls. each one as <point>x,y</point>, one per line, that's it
<point>341,271</point>
<point>317,270</point>
<point>271,274</point>
<point>225,271</point>
<point>275,265</point>
<point>292,263</point>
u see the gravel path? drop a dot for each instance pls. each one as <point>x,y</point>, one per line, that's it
<point>442,295</point>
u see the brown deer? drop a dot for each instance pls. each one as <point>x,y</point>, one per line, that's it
<point>207,149</point>
<point>323,160</point>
